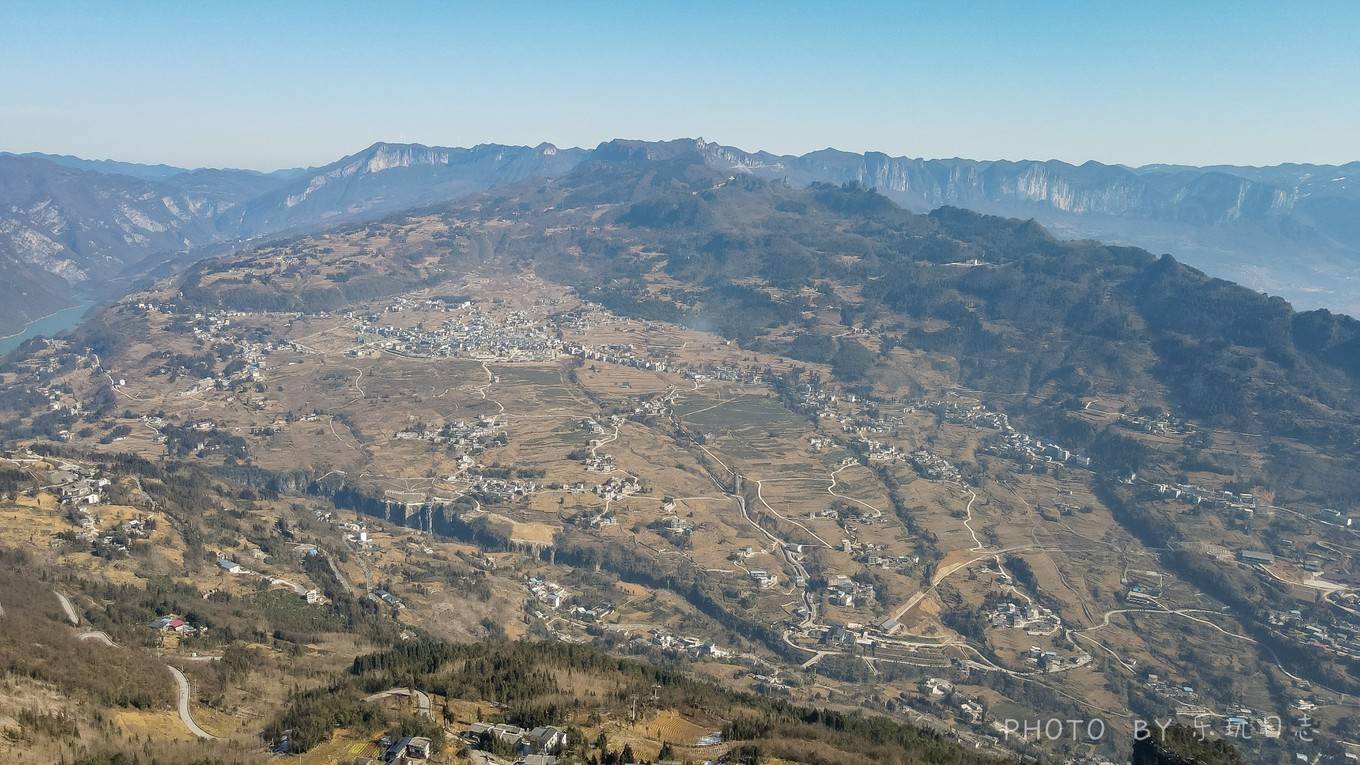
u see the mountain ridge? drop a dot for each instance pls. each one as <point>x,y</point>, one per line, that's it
<point>1290,229</point>
<point>831,293</point>
<point>1282,229</point>
<point>66,222</point>
<point>1035,315</point>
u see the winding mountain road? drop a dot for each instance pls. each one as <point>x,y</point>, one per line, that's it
<point>182,685</point>
<point>98,637</point>
<point>181,682</point>
<point>68,608</point>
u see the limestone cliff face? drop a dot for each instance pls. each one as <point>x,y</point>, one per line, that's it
<point>388,177</point>
<point>1292,230</point>
<point>1091,188</point>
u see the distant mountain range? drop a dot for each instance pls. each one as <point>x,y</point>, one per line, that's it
<point>68,224</point>
<point>1290,230</point>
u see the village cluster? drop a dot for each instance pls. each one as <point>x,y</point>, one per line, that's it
<point>82,489</point>
<point>940,692</point>
<point>537,746</point>
<point>1009,612</point>
<point>933,466</point>
<point>1339,638</point>
<point>468,330</point>
<point>1158,424</point>
<point>470,437</point>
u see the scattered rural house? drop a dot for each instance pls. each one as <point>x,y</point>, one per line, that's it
<point>408,748</point>
<point>764,579</point>
<point>546,739</point>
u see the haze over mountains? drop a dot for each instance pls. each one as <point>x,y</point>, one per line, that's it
<point>971,392</point>
<point>68,224</point>
<point>1290,230</point>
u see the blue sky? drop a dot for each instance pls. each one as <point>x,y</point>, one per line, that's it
<point>267,85</point>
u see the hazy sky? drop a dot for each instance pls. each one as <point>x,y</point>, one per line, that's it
<point>290,83</point>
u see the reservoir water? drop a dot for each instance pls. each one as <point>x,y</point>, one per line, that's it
<point>51,324</point>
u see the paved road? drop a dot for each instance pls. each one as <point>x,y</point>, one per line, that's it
<point>422,698</point>
<point>182,684</point>
<point>68,608</point>
<point>339,575</point>
<point>98,637</point>
<point>940,576</point>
